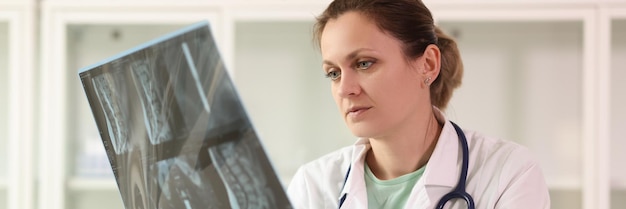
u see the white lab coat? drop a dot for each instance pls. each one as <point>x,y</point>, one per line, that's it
<point>501,174</point>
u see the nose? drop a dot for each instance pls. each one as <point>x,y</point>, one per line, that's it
<point>348,85</point>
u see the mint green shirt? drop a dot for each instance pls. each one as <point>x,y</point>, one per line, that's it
<point>391,193</point>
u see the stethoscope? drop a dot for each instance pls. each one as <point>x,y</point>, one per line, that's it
<point>459,190</point>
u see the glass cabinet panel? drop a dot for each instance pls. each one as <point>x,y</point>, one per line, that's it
<point>278,73</point>
<point>517,78</point>
<point>4,111</point>
<point>618,114</point>
<point>91,181</point>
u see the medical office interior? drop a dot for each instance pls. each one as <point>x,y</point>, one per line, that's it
<point>547,74</point>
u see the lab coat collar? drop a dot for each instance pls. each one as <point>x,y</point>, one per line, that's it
<point>355,182</point>
<point>440,175</point>
<point>437,173</point>
<point>445,156</point>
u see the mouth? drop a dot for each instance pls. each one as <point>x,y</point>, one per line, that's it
<point>357,110</point>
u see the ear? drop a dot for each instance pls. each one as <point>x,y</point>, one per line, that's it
<point>431,64</point>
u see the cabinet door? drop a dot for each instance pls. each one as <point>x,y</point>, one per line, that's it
<point>618,114</point>
<point>91,181</point>
<point>4,111</point>
<point>523,82</point>
<point>279,76</point>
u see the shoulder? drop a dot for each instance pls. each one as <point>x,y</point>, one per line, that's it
<point>331,162</point>
<point>327,167</point>
<point>320,181</point>
<point>515,173</point>
<point>490,150</point>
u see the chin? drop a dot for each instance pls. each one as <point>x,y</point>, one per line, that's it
<point>363,130</point>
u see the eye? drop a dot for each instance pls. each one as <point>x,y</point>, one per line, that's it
<point>364,65</point>
<point>333,74</point>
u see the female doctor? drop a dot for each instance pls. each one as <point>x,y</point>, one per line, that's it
<point>392,72</point>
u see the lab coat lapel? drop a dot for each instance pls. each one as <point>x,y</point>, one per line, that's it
<point>354,190</point>
<point>419,196</point>
<point>442,171</point>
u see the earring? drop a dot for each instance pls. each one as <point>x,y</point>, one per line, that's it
<point>427,81</point>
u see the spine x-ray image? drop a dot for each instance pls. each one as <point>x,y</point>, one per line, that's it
<point>175,130</point>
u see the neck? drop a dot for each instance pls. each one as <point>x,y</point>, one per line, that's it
<point>404,152</point>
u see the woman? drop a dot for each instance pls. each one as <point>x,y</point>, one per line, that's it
<point>392,72</point>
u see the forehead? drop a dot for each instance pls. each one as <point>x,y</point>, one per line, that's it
<point>352,31</point>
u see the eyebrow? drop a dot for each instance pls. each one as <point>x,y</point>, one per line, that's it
<point>350,56</point>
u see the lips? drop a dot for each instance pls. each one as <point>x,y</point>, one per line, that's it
<point>357,110</point>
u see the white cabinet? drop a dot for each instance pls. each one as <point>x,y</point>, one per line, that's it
<point>533,75</point>
<point>509,90</point>
<point>280,79</point>
<point>450,2</point>
<point>16,106</point>
<point>90,180</point>
<point>618,112</point>
<point>75,36</point>
<point>4,110</point>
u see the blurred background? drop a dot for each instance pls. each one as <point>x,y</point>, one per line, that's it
<point>547,74</point>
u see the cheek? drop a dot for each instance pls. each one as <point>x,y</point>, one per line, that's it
<point>397,89</point>
<point>395,80</point>
<point>406,79</point>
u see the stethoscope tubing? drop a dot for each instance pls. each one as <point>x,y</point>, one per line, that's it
<point>459,190</point>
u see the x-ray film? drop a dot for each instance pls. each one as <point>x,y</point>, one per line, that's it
<point>174,129</point>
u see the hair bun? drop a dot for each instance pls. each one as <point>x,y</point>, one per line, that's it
<point>451,72</point>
